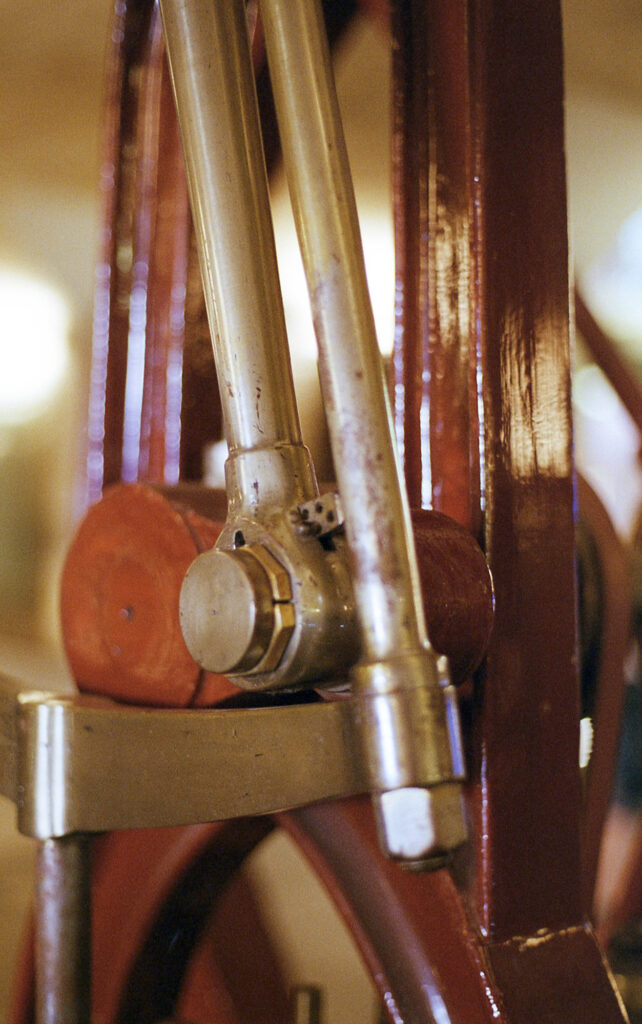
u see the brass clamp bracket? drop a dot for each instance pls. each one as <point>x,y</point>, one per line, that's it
<point>82,764</point>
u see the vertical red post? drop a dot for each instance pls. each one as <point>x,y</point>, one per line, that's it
<point>483,308</point>
<point>528,705</point>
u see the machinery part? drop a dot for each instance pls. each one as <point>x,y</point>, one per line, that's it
<point>323,515</point>
<point>63,931</point>
<point>130,648</point>
<point>420,826</point>
<point>269,471</point>
<point>137,544</point>
<point>318,623</point>
<point>236,610</point>
<point>532,955</point>
<point>154,887</point>
<point>221,138</point>
<point>395,646</point>
<point>456,590</point>
<point>227,180</point>
<point>88,765</point>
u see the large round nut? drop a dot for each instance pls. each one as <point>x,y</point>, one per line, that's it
<point>234,610</point>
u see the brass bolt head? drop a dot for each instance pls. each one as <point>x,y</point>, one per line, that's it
<point>235,610</point>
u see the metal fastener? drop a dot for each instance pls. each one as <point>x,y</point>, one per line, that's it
<point>236,611</point>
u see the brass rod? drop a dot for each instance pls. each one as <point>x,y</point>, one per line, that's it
<point>63,931</point>
<point>405,728</point>
<point>360,423</point>
<point>210,63</point>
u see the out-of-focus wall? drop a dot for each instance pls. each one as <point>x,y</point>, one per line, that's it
<point>52,59</point>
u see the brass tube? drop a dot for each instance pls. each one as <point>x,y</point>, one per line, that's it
<point>63,931</point>
<point>404,725</point>
<point>210,63</point>
<point>360,423</point>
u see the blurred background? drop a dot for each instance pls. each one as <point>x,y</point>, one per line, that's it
<point>52,58</point>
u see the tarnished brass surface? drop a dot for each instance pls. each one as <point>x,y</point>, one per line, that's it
<point>406,736</point>
<point>261,480</point>
<point>269,472</point>
<point>90,765</point>
<point>319,623</point>
<point>377,520</point>
<point>211,71</point>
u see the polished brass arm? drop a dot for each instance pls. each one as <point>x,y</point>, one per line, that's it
<point>210,64</point>
<point>359,418</point>
<point>407,729</point>
<point>312,634</point>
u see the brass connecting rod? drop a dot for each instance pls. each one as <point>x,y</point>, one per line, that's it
<point>236,617</point>
<point>405,729</point>
<point>209,56</point>
<point>354,393</point>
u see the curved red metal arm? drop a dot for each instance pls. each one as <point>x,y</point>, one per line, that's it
<point>614,646</point>
<point>617,892</point>
<point>153,391</point>
<point>606,355</point>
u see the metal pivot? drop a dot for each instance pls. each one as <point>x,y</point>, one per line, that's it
<point>407,727</point>
<point>312,633</point>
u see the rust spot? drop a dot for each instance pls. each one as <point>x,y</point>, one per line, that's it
<point>258,414</point>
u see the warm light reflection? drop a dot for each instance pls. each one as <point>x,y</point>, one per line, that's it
<point>608,442</point>
<point>34,354</point>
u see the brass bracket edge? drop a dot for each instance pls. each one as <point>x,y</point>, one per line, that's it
<point>82,764</point>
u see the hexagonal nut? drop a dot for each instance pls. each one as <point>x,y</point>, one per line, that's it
<point>282,609</point>
<point>284,623</point>
<point>421,827</point>
<point>277,575</point>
